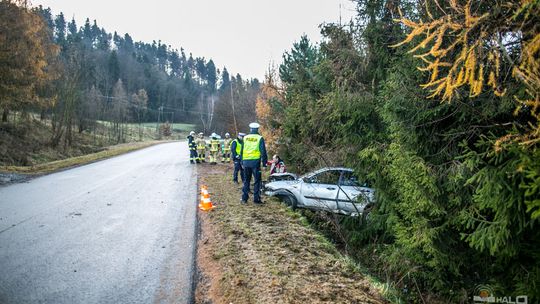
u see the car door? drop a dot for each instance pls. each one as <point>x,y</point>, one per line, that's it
<point>320,190</point>
<point>353,195</point>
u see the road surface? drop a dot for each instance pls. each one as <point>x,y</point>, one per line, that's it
<point>117,231</point>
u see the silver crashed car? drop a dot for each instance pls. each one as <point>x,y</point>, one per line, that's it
<point>335,190</point>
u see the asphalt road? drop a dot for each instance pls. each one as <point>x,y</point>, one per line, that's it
<point>117,231</point>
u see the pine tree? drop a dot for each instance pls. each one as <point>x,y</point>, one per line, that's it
<point>60,29</point>
<point>211,76</point>
<point>113,67</point>
<point>225,80</point>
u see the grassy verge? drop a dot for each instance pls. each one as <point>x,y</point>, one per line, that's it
<point>269,254</point>
<point>49,167</point>
<point>26,146</point>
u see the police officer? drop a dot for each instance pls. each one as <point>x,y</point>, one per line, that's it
<point>226,148</point>
<point>201,148</point>
<point>253,153</point>
<point>236,149</point>
<point>192,147</point>
<point>214,149</point>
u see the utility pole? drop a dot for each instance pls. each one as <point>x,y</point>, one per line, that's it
<point>340,14</point>
<point>160,111</point>
<point>157,124</point>
<point>172,123</point>
<point>233,113</point>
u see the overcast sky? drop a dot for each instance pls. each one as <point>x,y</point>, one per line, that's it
<point>243,35</point>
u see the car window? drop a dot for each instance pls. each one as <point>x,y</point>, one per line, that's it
<point>330,177</point>
<point>350,179</point>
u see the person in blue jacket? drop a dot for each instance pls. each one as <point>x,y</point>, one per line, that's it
<point>236,149</point>
<point>253,154</point>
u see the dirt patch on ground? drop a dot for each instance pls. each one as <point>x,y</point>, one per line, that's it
<point>268,254</point>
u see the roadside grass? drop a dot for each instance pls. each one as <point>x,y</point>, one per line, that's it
<point>270,254</point>
<point>25,144</point>
<point>53,166</point>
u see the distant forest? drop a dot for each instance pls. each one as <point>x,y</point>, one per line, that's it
<point>77,75</point>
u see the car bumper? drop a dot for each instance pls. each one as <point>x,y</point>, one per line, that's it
<point>270,193</point>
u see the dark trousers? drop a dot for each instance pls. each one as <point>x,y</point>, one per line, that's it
<point>248,172</point>
<point>192,154</point>
<point>238,168</point>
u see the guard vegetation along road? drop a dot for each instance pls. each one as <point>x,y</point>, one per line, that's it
<point>269,254</point>
<point>116,231</point>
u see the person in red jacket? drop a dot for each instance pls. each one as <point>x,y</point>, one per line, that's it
<point>277,165</point>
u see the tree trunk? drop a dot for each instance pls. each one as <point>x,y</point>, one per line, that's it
<point>81,126</point>
<point>25,116</point>
<point>5,115</point>
<point>68,139</point>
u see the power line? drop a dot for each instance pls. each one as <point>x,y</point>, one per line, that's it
<point>127,102</point>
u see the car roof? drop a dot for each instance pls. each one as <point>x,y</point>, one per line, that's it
<point>328,169</point>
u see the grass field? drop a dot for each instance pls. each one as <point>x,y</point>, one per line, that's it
<point>176,127</point>
<point>148,130</point>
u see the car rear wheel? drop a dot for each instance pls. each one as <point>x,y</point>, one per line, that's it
<point>366,214</point>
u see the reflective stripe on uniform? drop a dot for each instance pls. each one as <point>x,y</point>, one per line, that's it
<point>214,145</point>
<point>251,147</point>
<point>200,143</point>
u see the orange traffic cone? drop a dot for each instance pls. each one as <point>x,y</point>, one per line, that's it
<point>206,203</point>
<point>203,187</point>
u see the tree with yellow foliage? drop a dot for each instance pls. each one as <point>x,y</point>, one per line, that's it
<point>266,115</point>
<point>25,52</point>
<point>473,44</point>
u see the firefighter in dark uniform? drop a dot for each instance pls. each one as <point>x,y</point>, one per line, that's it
<point>253,154</point>
<point>192,147</point>
<point>236,149</point>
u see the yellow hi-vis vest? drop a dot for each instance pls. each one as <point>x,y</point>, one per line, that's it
<point>251,147</point>
<point>238,147</point>
<point>214,145</point>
